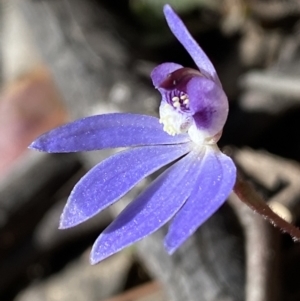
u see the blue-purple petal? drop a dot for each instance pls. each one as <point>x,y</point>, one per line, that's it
<point>115,176</point>
<point>152,208</point>
<point>208,104</point>
<point>184,37</point>
<point>218,174</point>
<point>106,131</point>
<point>161,72</point>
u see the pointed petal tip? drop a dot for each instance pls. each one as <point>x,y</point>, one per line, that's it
<point>62,225</point>
<point>31,146</point>
<point>40,144</point>
<point>66,223</point>
<point>70,218</point>
<point>93,261</point>
<point>167,8</point>
<point>96,257</point>
<point>169,13</point>
<point>170,249</point>
<point>101,250</point>
<point>35,146</point>
<point>71,215</point>
<point>184,37</point>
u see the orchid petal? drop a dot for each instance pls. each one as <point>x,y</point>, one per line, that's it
<point>113,177</point>
<point>184,37</point>
<point>161,72</point>
<point>152,208</point>
<point>105,131</point>
<point>208,103</point>
<point>218,174</point>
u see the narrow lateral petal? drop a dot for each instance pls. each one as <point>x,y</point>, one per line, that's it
<point>115,176</point>
<point>152,208</point>
<point>184,37</point>
<point>105,131</point>
<point>161,72</point>
<point>218,174</point>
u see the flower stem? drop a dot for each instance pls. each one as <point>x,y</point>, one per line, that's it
<point>246,193</point>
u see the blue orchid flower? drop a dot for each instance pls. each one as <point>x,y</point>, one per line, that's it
<point>193,111</point>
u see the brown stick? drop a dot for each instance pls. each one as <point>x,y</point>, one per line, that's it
<point>262,252</point>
